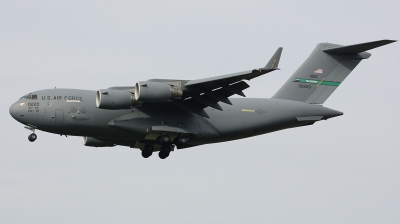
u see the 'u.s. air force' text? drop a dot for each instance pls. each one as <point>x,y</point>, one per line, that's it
<point>62,98</point>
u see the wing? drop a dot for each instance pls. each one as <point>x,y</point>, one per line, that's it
<point>219,81</point>
<point>208,92</point>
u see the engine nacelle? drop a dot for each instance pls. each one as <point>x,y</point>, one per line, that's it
<point>89,141</point>
<point>156,92</point>
<point>114,99</point>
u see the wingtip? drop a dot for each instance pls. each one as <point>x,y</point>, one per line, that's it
<point>390,41</point>
<point>274,61</point>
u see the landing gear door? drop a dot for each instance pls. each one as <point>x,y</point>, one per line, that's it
<point>59,116</point>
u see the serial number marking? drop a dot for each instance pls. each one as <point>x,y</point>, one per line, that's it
<point>33,104</point>
<point>303,86</point>
<point>33,107</point>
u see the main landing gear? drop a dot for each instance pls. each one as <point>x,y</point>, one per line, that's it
<point>164,152</point>
<point>166,145</point>
<point>147,151</point>
<point>181,140</point>
<point>163,139</point>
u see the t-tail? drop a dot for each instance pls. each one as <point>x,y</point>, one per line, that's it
<point>324,70</point>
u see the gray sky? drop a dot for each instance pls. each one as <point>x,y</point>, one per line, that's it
<point>345,170</point>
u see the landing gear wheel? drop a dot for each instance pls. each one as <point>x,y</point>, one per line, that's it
<point>164,152</point>
<point>147,151</point>
<point>32,137</point>
<point>163,139</point>
<point>181,140</point>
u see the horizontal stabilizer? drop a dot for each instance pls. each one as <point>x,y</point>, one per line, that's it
<point>358,48</point>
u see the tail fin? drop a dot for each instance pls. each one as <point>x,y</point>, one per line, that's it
<point>324,70</point>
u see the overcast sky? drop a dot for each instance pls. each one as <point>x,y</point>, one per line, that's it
<point>344,170</point>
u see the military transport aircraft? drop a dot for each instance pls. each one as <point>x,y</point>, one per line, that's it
<point>161,114</point>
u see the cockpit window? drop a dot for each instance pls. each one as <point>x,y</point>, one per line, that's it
<point>29,97</point>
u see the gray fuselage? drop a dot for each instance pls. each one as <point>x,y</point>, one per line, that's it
<point>74,112</point>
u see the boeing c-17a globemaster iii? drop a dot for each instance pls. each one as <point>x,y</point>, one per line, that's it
<point>161,114</point>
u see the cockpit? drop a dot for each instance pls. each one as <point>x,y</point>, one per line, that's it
<point>29,97</point>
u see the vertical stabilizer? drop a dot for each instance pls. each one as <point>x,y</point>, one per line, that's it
<point>324,70</point>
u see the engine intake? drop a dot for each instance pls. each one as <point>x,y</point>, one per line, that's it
<point>89,141</point>
<point>115,99</point>
<point>156,92</point>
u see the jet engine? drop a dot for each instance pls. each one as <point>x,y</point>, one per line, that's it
<point>89,141</point>
<point>114,99</point>
<point>156,92</point>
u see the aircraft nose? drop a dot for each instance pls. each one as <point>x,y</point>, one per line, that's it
<point>14,111</point>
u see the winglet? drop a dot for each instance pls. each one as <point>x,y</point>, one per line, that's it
<point>274,61</point>
<point>358,48</point>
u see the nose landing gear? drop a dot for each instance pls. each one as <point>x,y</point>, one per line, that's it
<point>32,137</point>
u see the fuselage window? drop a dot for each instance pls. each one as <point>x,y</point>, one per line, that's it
<point>34,97</point>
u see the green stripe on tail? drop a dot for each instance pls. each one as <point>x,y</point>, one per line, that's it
<point>317,82</point>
